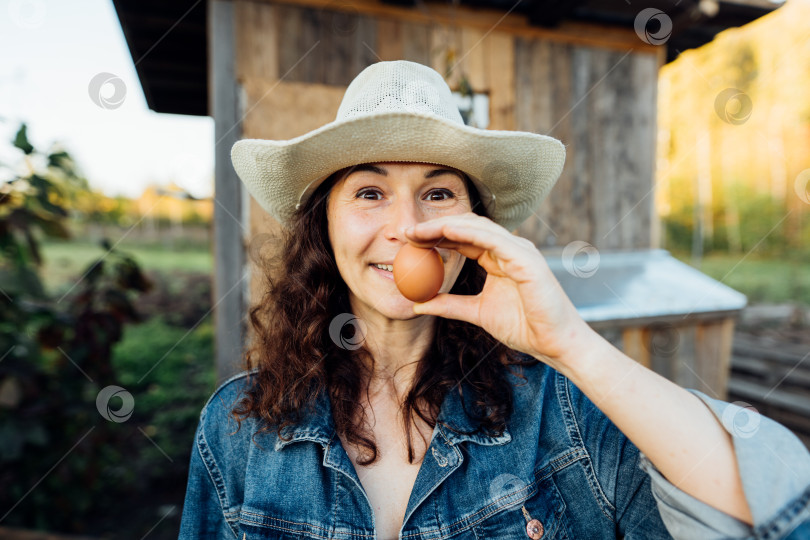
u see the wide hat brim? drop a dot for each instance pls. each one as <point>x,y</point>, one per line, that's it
<point>513,170</point>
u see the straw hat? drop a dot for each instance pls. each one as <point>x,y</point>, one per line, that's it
<point>402,111</point>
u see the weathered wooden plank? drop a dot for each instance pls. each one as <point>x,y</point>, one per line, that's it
<point>780,352</point>
<point>524,117</point>
<point>325,46</point>
<point>713,355</point>
<point>338,48</point>
<point>572,32</point>
<point>766,372</point>
<point>285,110</point>
<point>533,94</point>
<point>280,110</point>
<point>606,144</point>
<point>559,91</point>
<point>672,352</point>
<point>689,355</point>
<point>472,58</point>
<point>416,42</point>
<point>543,79</point>
<point>256,41</point>
<point>439,43</point>
<point>641,192</point>
<point>363,53</point>
<point>500,51</point>
<point>684,363</point>
<point>313,33</point>
<point>289,26</point>
<point>755,392</point>
<point>575,210</point>
<point>389,39</point>
<point>524,85</point>
<point>624,156</point>
<point>634,345</point>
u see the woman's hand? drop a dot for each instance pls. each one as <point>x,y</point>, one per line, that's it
<point>522,304</point>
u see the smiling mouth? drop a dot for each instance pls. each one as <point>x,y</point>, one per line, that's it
<point>390,267</point>
<point>383,267</point>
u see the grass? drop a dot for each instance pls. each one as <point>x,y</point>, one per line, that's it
<point>65,262</point>
<point>170,373</point>
<point>763,280</point>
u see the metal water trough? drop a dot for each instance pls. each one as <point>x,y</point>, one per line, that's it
<point>659,311</point>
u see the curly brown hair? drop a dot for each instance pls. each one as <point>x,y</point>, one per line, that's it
<point>296,358</point>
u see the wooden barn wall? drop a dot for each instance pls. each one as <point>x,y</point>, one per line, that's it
<point>602,104</point>
<point>294,60</point>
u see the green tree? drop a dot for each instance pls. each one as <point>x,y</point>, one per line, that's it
<point>56,353</point>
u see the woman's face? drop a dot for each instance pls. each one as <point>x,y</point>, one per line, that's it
<point>368,211</point>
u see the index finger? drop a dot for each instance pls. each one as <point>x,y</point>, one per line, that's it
<point>468,250</point>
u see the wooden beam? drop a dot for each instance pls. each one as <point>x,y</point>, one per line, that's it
<point>577,33</point>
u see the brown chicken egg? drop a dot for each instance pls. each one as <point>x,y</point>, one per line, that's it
<point>418,272</point>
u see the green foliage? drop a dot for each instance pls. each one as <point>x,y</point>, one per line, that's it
<point>762,280</point>
<point>59,458</point>
<point>761,223</point>
<point>165,409</point>
<point>64,466</point>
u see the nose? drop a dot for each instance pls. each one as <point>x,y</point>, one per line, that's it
<point>404,213</point>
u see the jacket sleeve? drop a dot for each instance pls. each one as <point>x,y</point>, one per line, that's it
<point>619,486</point>
<point>774,466</point>
<point>775,470</point>
<point>203,517</point>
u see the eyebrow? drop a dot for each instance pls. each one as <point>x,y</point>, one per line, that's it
<point>381,171</point>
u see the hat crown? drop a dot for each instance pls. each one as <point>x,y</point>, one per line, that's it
<point>399,86</point>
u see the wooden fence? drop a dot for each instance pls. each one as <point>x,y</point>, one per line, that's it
<point>774,377</point>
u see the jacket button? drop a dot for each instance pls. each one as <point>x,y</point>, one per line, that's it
<point>534,529</point>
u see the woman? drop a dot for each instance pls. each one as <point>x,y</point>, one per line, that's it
<point>489,411</point>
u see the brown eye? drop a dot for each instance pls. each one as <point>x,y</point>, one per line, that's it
<point>447,192</point>
<point>361,194</point>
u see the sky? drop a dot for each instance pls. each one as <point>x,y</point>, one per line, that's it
<point>51,53</point>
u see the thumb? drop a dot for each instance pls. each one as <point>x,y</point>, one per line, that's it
<point>450,306</point>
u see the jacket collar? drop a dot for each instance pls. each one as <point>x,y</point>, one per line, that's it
<point>317,425</point>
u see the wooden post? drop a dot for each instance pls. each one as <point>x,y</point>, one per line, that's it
<point>229,215</point>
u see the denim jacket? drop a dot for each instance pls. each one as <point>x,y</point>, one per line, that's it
<point>561,464</point>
